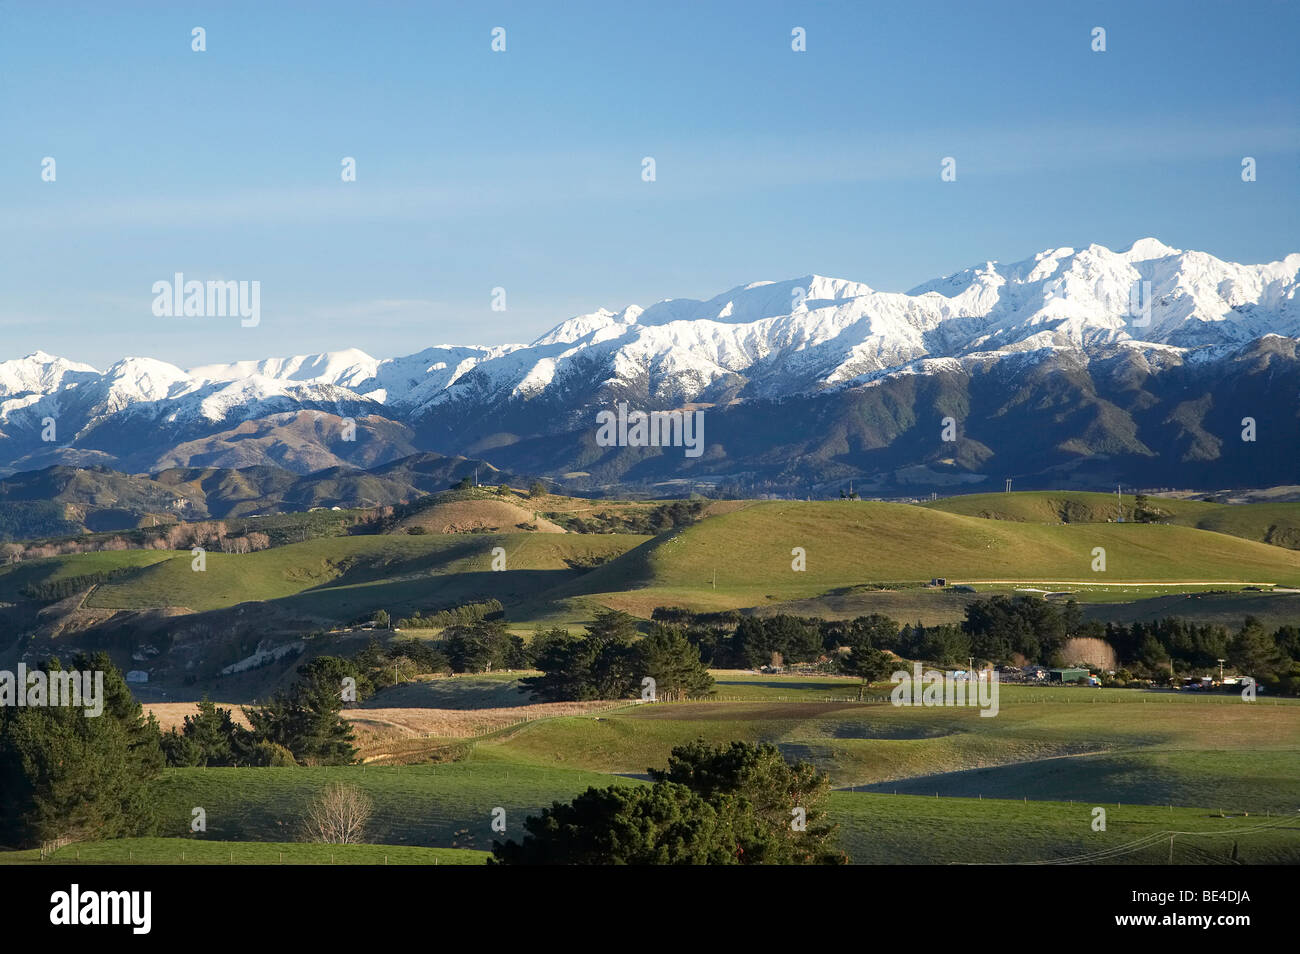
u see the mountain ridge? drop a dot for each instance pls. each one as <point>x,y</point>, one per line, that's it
<point>1081,313</point>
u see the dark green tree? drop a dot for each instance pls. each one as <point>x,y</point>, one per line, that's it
<point>773,787</point>
<point>661,824</point>
<point>668,657</point>
<point>209,737</point>
<point>869,665</point>
<point>1254,652</point>
<point>68,776</point>
<point>484,645</point>
<point>306,719</point>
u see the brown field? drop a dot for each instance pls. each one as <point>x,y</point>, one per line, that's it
<point>463,516</point>
<point>388,732</point>
<point>377,726</point>
<point>172,714</point>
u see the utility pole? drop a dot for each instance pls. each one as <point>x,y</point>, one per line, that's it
<point>1221,671</point>
<point>1119,505</point>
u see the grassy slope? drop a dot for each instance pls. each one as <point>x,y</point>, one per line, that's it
<point>339,575</point>
<point>886,829</point>
<point>449,804</point>
<point>170,851</point>
<point>848,543</point>
<point>747,551</point>
<point>1116,745</point>
<point>16,576</point>
<point>1273,523</point>
<point>1134,753</point>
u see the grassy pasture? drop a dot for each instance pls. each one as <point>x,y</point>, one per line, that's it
<point>1015,788</point>
<point>886,829</point>
<point>17,576</point>
<point>183,851</point>
<point>743,558</point>
<point>342,576</point>
<point>861,557</point>
<point>1120,745</point>
<point>1100,747</point>
<point>1273,523</point>
<point>413,805</point>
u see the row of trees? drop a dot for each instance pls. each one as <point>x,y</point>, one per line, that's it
<point>996,629</point>
<point>608,662</point>
<point>457,616</point>
<point>211,535</point>
<point>1271,656</point>
<point>999,629</point>
<point>652,521</point>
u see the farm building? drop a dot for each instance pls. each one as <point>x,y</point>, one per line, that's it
<point>1072,674</point>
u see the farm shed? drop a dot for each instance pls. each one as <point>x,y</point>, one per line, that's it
<point>1073,674</point>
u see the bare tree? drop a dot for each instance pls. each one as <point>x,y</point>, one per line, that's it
<point>338,816</point>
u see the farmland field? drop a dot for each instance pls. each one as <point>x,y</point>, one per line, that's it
<point>174,851</point>
<point>859,557</point>
<point>939,785</point>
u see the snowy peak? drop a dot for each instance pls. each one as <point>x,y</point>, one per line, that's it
<point>756,301</point>
<point>1145,249</point>
<point>333,367</point>
<point>38,373</point>
<point>601,325</point>
<point>760,339</point>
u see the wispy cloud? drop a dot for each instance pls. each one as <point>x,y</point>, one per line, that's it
<point>695,169</point>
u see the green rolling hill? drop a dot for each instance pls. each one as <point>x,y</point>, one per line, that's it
<point>1274,523</point>
<point>744,558</point>
<point>739,558</point>
<point>344,575</point>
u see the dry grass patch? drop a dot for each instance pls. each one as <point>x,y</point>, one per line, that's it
<point>172,714</point>
<point>377,726</point>
<point>465,516</point>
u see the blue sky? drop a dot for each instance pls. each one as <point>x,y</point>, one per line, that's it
<point>522,169</point>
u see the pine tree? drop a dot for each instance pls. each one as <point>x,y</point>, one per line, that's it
<point>306,720</point>
<point>67,776</point>
<point>667,656</point>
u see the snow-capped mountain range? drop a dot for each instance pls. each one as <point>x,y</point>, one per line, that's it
<point>763,341</point>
